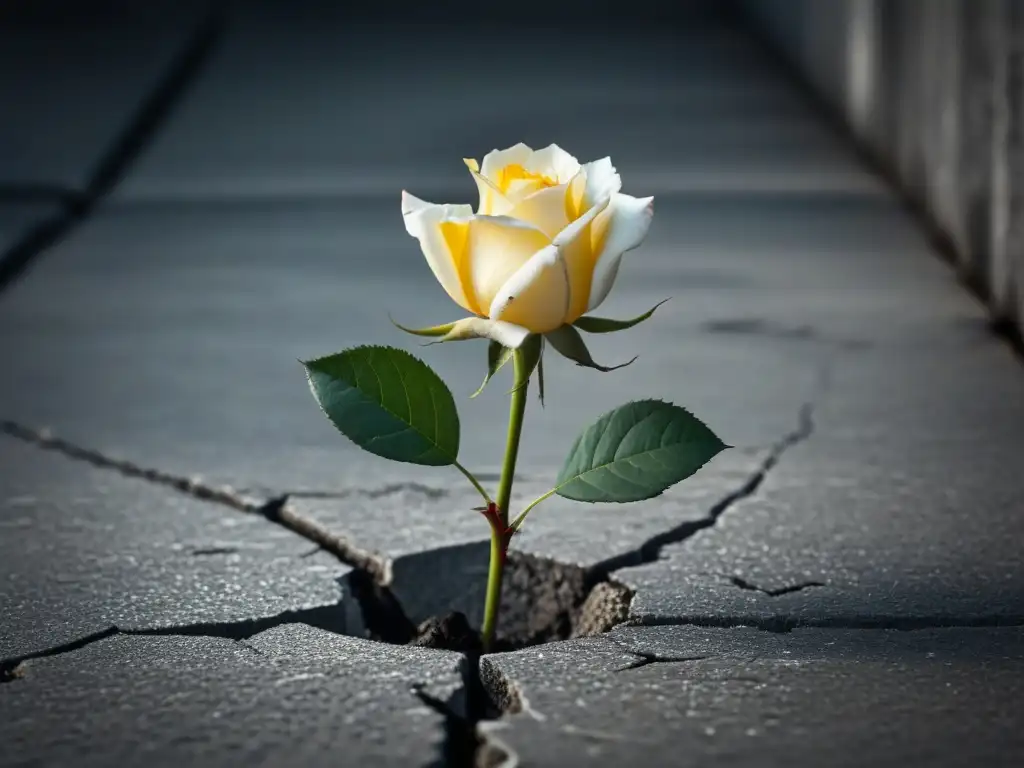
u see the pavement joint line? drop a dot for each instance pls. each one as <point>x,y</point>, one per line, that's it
<point>646,659</point>
<point>787,624</point>
<point>327,617</point>
<point>741,583</point>
<point>650,550</point>
<point>275,510</point>
<point>148,118</point>
<point>32,192</point>
<point>390,489</point>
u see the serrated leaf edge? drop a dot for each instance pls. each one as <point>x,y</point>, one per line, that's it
<point>383,407</point>
<point>725,446</point>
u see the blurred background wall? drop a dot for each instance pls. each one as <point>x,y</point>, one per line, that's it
<point>934,91</point>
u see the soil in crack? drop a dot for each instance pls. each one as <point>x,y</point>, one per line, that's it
<point>435,600</point>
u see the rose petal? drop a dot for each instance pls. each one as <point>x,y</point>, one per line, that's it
<point>620,228</point>
<point>539,296</point>
<point>602,181</point>
<point>492,201</point>
<point>497,159</point>
<point>423,221</point>
<point>545,210</point>
<point>553,162</point>
<point>489,250</point>
<point>576,244</point>
<point>519,171</point>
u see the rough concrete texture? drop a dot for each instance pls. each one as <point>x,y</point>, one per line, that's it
<point>85,550</point>
<point>687,696</point>
<point>293,695</point>
<point>875,421</point>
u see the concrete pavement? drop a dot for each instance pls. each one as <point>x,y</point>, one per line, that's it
<point>872,498</point>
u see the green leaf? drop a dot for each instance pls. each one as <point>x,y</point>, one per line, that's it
<point>389,403</point>
<point>636,452</point>
<point>568,342</point>
<point>607,325</point>
<point>497,356</point>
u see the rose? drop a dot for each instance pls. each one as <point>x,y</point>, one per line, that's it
<point>543,248</point>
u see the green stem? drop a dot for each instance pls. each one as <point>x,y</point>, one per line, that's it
<point>499,527</point>
<point>474,481</point>
<point>499,547</point>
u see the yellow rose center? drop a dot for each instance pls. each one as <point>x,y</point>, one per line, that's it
<point>514,172</point>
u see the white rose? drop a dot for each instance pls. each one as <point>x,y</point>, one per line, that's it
<point>543,248</point>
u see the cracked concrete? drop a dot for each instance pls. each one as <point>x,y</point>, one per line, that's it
<point>98,549</point>
<point>650,551</point>
<point>842,587</point>
<point>304,697</point>
<point>145,118</point>
<point>746,697</point>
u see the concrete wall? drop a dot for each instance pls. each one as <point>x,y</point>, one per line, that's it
<point>935,90</point>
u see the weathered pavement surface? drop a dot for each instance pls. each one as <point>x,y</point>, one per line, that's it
<point>843,588</point>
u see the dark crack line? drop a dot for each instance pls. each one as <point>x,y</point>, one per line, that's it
<point>784,624</point>
<point>330,618</point>
<point>31,192</point>
<point>275,510</point>
<point>391,489</point>
<point>650,550</point>
<point>464,710</point>
<point>740,582</point>
<point>213,551</point>
<point>757,327</point>
<point>645,659</point>
<point>151,114</point>
<point>189,486</point>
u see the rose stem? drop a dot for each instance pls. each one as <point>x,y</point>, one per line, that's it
<point>500,533</point>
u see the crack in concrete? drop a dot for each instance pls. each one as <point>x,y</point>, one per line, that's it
<point>32,192</point>
<point>212,551</point>
<point>330,618</point>
<point>644,659</point>
<point>786,624</point>
<point>126,147</point>
<point>391,489</point>
<point>276,510</point>
<point>754,326</point>
<point>741,583</point>
<point>650,550</point>
<point>465,745</point>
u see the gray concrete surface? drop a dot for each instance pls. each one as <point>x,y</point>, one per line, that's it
<point>72,76</point>
<point>692,696</point>
<point>811,325</point>
<point>85,549</point>
<point>288,696</point>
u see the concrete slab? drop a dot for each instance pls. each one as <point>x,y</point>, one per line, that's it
<point>293,695</point>
<point>686,696</point>
<point>313,103</point>
<point>19,216</point>
<point>902,503</point>
<point>73,77</point>
<point>84,549</point>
